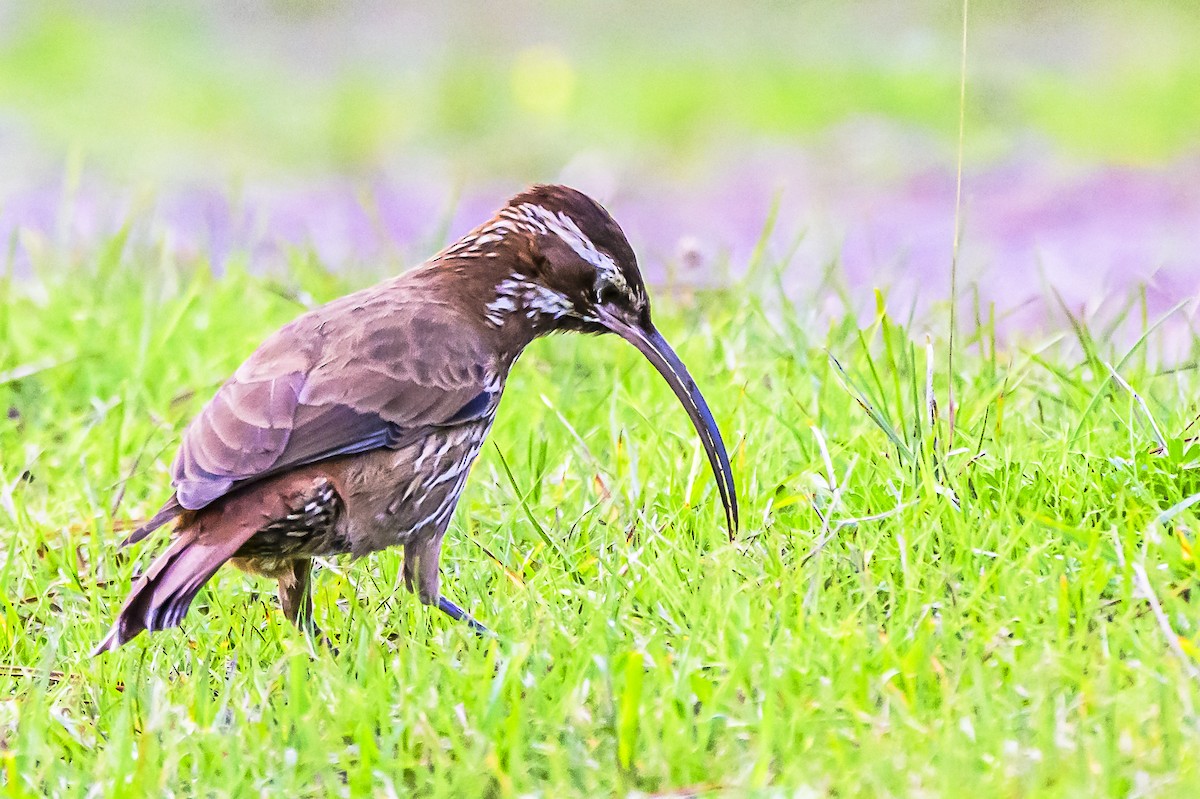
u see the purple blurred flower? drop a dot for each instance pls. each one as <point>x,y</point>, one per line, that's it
<point>1031,224</point>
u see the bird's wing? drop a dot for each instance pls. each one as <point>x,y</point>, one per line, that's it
<point>363,373</point>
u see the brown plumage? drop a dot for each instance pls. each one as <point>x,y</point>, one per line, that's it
<point>353,428</point>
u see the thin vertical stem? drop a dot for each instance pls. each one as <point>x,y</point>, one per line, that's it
<point>952,409</point>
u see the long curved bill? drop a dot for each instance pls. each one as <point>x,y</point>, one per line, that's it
<point>656,349</point>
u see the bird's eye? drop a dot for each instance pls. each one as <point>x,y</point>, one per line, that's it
<point>607,293</point>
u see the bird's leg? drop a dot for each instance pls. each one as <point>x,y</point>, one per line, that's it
<point>421,576</point>
<point>295,597</point>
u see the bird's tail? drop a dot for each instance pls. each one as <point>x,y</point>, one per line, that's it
<point>163,593</point>
<point>171,510</point>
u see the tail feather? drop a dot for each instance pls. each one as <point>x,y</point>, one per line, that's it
<point>205,539</point>
<point>171,510</point>
<point>162,595</point>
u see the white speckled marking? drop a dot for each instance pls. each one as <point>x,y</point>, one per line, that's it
<point>537,303</point>
<point>565,228</point>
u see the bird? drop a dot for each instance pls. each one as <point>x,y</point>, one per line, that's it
<point>353,428</point>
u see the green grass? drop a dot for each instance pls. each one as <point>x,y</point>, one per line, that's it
<point>902,614</point>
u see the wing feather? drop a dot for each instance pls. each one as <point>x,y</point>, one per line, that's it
<point>345,378</point>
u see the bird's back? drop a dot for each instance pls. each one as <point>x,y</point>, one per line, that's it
<point>378,369</point>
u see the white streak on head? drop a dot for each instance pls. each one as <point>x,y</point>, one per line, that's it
<point>565,228</point>
<point>533,218</point>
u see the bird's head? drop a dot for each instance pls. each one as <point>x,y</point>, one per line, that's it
<point>580,274</point>
<point>572,261</point>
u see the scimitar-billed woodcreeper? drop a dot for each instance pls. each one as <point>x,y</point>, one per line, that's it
<point>353,428</point>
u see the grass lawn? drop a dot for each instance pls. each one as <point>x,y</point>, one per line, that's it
<point>904,612</point>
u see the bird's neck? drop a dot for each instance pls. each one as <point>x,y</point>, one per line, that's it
<point>491,284</point>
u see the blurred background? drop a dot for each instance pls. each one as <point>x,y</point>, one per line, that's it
<point>817,139</point>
